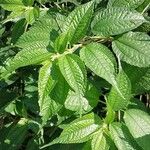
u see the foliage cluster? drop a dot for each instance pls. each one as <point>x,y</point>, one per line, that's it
<point>75,74</point>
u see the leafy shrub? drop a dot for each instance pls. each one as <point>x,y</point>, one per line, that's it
<point>75,74</point>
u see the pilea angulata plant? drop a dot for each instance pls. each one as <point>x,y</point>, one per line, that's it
<point>74,74</point>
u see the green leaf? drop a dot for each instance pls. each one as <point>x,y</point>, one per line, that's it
<point>138,122</point>
<point>110,115</point>
<point>40,35</point>
<point>115,100</point>
<point>32,145</point>
<point>16,7</point>
<point>100,60</point>
<point>122,137</point>
<point>3,133</point>
<point>18,30</point>
<point>12,5</point>
<point>99,141</point>
<point>125,3</point>
<point>78,131</point>
<point>133,48</point>
<point>16,135</point>
<point>34,44</point>
<point>144,82</point>
<point>46,83</point>
<point>73,70</point>
<point>61,89</point>
<point>67,147</point>
<point>77,102</point>
<point>49,109</point>
<point>60,19</point>
<point>92,95</point>
<point>21,9</point>
<point>6,97</point>
<point>14,15</point>
<point>76,24</point>
<point>32,14</point>
<point>16,108</point>
<point>137,104</point>
<point>80,104</point>
<point>25,58</point>
<point>139,77</point>
<point>2,30</point>
<point>144,7</point>
<point>28,2</point>
<point>115,20</point>
<point>61,43</point>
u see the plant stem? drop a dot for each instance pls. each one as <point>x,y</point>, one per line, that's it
<point>68,51</point>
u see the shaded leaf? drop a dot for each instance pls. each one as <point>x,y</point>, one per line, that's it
<point>46,83</point>
<point>115,100</point>
<point>139,77</point>
<point>32,14</point>
<point>18,30</point>
<point>122,137</point>
<point>138,122</point>
<point>73,70</point>
<point>16,135</point>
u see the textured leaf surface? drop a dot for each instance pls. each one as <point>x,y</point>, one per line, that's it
<point>122,137</point>
<point>76,102</point>
<point>82,104</point>
<point>114,99</point>
<point>138,122</point>
<point>45,85</point>
<point>133,48</point>
<point>12,5</point>
<point>25,58</point>
<point>16,135</point>
<point>61,89</point>
<point>40,34</point>
<point>73,70</point>
<point>45,82</point>
<point>61,43</point>
<point>49,109</point>
<point>145,27</point>
<point>31,14</point>
<point>100,60</point>
<point>139,77</point>
<point>115,20</point>
<point>125,3</point>
<point>35,44</point>
<point>77,22</point>
<point>79,130</point>
<point>99,141</point>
